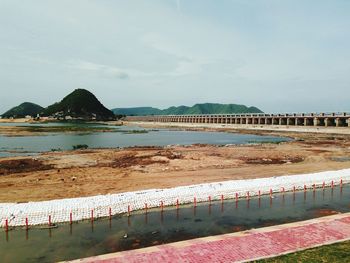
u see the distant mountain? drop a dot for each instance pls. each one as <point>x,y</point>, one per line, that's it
<point>205,108</point>
<point>136,111</point>
<point>22,110</point>
<point>79,104</point>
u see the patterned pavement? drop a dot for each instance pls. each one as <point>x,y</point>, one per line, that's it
<point>241,246</point>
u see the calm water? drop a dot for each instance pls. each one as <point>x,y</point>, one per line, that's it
<point>121,138</point>
<point>141,230</point>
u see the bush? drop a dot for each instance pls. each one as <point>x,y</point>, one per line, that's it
<point>80,146</point>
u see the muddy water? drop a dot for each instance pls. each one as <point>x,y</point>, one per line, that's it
<point>141,230</point>
<point>121,137</point>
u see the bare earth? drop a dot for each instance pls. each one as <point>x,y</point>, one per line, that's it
<point>92,172</point>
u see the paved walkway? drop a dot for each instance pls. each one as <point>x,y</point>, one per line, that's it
<point>242,246</point>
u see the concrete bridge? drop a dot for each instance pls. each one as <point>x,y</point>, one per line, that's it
<point>294,119</point>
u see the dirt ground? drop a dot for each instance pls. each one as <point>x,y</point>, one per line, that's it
<point>91,172</point>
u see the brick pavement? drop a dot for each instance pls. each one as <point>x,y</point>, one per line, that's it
<point>241,246</point>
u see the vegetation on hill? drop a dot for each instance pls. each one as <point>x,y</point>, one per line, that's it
<point>22,110</point>
<point>136,111</point>
<point>205,108</point>
<point>80,104</point>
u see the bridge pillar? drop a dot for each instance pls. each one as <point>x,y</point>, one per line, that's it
<point>316,122</point>
<point>337,122</point>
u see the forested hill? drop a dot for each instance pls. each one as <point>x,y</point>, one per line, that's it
<point>205,108</point>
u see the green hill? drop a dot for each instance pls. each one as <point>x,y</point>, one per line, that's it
<point>205,108</point>
<point>80,104</point>
<point>22,110</point>
<point>136,111</point>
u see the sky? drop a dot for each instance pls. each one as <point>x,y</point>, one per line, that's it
<point>281,56</point>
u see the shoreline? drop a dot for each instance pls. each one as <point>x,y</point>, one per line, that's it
<point>79,173</point>
<point>77,209</point>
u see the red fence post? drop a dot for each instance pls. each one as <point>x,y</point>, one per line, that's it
<point>177,203</point>
<point>92,215</point>
<point>294,188</point>
<point>248,195</point>
<point>270,193</point>
<point>222,198</point>
<point>129,210</point>
<point>110,212</point>
<point>209,198</point>
<point>236,197</point>
<point>304,187</point>
<point>49,220</point>
<point>70,218</point>
<point>341,182</point>
<point>6,225</point>
<point>259,194</point>
<point>332,184</point>
<point>323,185</point>
<point>314,187</point>
<point>27,225</point>
<point>146,207</point>
<point>162,205</point>
<point>194,201</point>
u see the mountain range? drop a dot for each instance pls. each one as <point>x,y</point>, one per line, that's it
<point>205,108</point>
<point>82,104</point>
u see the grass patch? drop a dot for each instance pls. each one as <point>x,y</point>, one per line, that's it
<point>265,142</point>
<point>136,132</point>
<point>80,147</point>
<point>339,252</point>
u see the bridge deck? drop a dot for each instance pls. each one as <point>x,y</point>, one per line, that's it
<point>300,119</point>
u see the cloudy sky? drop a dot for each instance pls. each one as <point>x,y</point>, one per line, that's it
<point>280,56</point>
